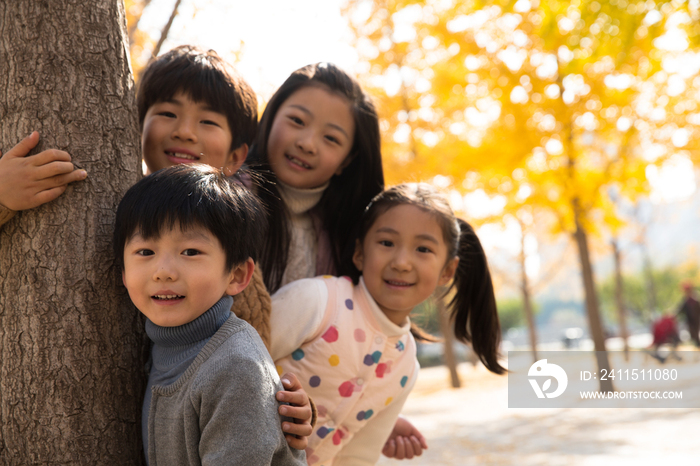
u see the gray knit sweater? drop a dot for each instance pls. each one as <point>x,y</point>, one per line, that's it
<point>213,400</point>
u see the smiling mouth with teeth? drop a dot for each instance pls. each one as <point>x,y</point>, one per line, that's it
<point>180,155</point>
<point>393,283</point>
<point>298,162</point>
<point>166,297</point>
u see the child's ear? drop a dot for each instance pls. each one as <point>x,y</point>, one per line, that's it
<point>358,257</point>
<point>240,277</point>
<point>448,272</point>
<point>236,159</point>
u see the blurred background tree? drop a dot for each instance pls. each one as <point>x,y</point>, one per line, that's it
<point>543,103</point>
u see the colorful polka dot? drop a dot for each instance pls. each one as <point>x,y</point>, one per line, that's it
<point>368,361</point>
<point>376,356</point>
<point>364,415</point>
<point>310,457</point>
<point>315,381</point>
<point>322,410</point>
<point>347,278</point>
<point>346,389</point>
<point>328,276</point>
<point>399,346</point>
<point>338,437</point>
<point>331,334</point>
<point>360,335</point>
<point>334,360</point>
<point>349,304</point>
<point>386,403</point>
<point>298,354</point>
<point>368,414</point>
<point>379,371</point>
<point>279,370</point>
<point>323,431</point>
<point>404,379</point>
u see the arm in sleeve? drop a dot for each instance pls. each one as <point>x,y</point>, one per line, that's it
<point>238,417</point>
<point>365,447</point>
<point>297,313</point>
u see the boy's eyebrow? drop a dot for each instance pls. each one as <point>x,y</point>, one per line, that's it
<point>205,106</point>
<point>172,100</point>
<point>195,233</point>
<point>424,236</point>
<point>332,125</point>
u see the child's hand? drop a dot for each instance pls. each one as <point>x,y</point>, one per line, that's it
<point>299,408</point>
<point>28,182</point>
<point>405,441</point>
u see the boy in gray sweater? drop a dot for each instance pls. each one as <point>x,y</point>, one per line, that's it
<point>211,390</point>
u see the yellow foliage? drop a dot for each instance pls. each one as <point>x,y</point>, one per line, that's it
<point>548,105</point>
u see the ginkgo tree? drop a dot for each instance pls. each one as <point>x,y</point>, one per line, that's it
<point>544,103</point>
<point>142,46</point>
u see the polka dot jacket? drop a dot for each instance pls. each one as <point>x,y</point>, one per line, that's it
<point>355,365</point>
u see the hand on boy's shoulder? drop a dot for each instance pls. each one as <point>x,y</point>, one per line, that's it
<point>30,181</point>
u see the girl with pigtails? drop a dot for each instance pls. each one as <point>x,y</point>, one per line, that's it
<point>350,339</point>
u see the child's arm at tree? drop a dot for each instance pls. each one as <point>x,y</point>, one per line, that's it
<point>30,181</point>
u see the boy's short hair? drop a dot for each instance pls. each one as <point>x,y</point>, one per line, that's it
<point>192,195</point>
<point>204,77</point>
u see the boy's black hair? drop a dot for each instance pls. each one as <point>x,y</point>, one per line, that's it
<point>343,202</point>
<point>204,77</point>
<point>192,195</point>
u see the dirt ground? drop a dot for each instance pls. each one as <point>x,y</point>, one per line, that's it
<point>473,425</point>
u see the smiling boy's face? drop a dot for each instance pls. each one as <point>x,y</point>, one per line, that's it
<point>178,276</point>
<point>181,130</point>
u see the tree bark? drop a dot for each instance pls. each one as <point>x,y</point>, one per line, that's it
<point>592,308</point>
<point>72,347</point>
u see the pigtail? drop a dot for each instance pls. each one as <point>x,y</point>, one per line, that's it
<point>474,303</point>
<point>421,335</point>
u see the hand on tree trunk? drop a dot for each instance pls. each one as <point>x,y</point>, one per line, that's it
<point>30,181</point>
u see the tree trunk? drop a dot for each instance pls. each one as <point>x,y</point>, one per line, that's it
<point>592,309</point>
<point>166,30</point>
<point>448,340</point>
<point>649,277</point>
<point>525,291</point>
<point>72,347</point>
<point>619,297</point>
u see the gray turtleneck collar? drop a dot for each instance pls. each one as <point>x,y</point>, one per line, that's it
<point>175,348</point>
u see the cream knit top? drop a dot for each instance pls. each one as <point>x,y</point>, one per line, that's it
<point>303,247</point>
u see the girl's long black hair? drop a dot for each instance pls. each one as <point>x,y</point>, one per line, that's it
<point>473,306</point>
<point>340,209</point>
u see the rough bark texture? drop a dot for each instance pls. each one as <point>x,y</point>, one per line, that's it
<point>72,348</point>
